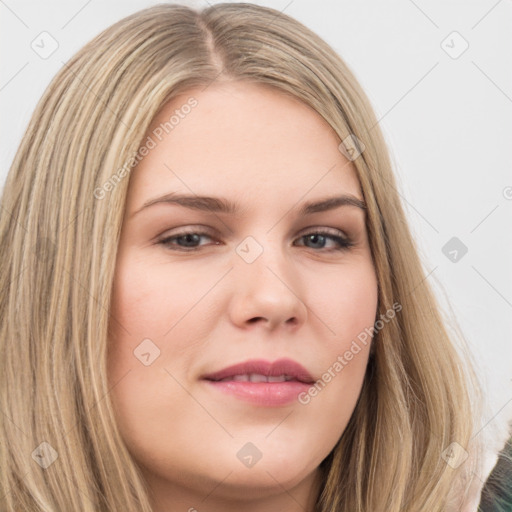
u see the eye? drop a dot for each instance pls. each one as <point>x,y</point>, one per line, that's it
<point>187,241</point>
<point>320,237</point>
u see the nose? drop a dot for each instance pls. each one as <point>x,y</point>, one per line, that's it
<point>267,292</point>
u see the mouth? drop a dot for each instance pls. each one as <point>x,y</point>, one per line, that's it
<point>261,382</point>
<point>259,370</point>
<point>256,377</point>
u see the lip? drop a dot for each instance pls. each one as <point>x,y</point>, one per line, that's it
<point>267,394</point>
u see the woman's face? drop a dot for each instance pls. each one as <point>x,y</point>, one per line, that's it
<point>199,289</point>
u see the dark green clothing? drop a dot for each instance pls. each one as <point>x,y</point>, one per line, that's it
<point>497,491</point>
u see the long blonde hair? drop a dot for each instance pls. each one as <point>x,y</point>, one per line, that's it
<point>59,231</point>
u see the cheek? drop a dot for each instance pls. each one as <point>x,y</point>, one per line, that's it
<point>149,299</point>
<point>348,307</point>
<point>155,302</point>
<point>146,303</point>
<point>345,301</point>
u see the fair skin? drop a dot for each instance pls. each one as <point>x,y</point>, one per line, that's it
<point>209,308</point>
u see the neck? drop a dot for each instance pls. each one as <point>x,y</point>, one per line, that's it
<point>225,496</point>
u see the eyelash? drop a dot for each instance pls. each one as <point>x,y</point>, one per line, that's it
<point>344,243</point>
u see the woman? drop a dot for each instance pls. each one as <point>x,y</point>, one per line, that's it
<point>297,361</point>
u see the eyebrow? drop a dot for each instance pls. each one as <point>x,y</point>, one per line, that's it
<point>222,205</point>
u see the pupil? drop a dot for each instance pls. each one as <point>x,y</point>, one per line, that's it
<point>315,237</point>
<point>189,238</point>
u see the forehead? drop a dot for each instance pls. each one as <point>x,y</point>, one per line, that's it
<point>241,140</point>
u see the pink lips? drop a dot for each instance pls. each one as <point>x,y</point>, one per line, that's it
<point>261,382</point>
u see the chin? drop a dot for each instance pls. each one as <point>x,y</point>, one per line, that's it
<point>253,484</point>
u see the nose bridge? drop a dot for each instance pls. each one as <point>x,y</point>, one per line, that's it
<point>258,255</point>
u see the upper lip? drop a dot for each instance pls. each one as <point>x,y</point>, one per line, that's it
<point>261,367</point>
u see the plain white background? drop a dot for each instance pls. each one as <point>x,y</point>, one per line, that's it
<point>439,77</point>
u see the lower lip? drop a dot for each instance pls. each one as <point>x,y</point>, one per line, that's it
<point>267,394</point>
